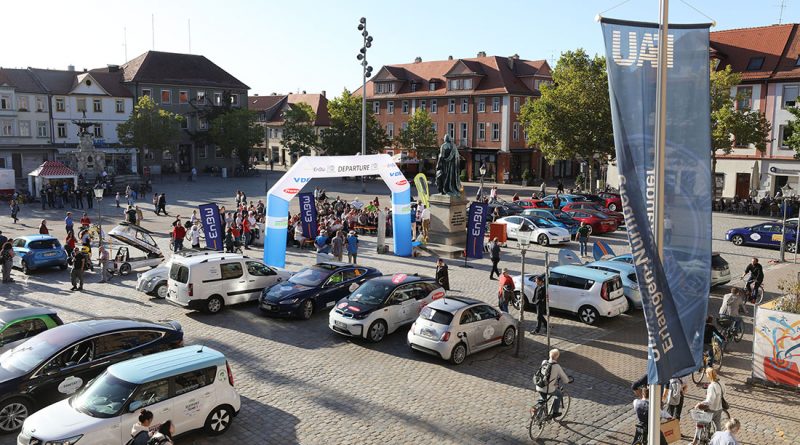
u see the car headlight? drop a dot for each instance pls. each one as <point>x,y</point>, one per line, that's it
<point>290,301</point>
<point>67,441</point>
<point>553,234</point>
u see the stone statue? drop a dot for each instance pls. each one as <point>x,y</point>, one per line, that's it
<point>90,161</point>
<point>447,180</point>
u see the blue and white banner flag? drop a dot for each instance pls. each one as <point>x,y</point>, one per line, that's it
<point>308,214</point>
<point>476,229</point>
<point>675,291</point>
<point>212,226</point>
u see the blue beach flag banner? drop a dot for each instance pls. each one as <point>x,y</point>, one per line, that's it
<point>476,229</point>
<point>675,291</point>
<point>308,214</point>
<point>212,226</point>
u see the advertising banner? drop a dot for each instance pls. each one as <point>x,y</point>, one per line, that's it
<point>675,290</point>
<point>308,214</point>
<point>476,229</point>
<point>776,352</point>
<point>212,226</point>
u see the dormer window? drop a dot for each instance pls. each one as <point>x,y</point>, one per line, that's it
<point>413,87</point>
<point>432,85</point>
<point>384,87</point>
<point>460,84</point>
<point>755,63</point>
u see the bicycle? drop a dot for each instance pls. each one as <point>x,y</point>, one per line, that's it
<point>730,330</point>
<point>759,294</point>
<point>704,424</point>
<point>541,413</point>
<point>699,374</point>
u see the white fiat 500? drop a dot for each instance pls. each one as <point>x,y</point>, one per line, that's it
<point>383,304</point>
<point>455,327</point>
<point>191,386</point>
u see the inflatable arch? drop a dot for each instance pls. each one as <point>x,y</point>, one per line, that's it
<point>309,167</point>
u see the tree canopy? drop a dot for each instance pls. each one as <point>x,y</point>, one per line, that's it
<point>298,129</point>
<point>235,131</point>
<point>150,127</point>
<point>419,135</point>
<point>791,132</point>
<point>343,137</point>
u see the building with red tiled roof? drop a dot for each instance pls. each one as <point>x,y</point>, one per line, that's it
<point>768,59</point>
<point>475,100</point>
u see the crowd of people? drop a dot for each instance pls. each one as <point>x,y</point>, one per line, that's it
<point>771,206</point>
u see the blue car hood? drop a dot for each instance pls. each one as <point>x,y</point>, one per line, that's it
<point>286,290</point>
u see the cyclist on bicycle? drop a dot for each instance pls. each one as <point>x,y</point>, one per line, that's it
<point>556,373</point>
<point>708,336</point>
<point>756,278</point>
<point>732,306</point>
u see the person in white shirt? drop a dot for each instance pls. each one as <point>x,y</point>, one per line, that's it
<point>713,401</point>
<point>194,235</point>
<point>728,436</point>
<point>732,303</point>
<point>426,222</point>
<point>556,373</point>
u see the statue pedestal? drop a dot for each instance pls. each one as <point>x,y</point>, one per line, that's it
<point>447,236</point>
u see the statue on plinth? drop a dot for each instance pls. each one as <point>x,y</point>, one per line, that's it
<point>447,174</point>
<point>90,161</point>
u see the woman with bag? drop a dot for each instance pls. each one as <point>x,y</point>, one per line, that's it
<point>714,401</point>
<point>164,434</point>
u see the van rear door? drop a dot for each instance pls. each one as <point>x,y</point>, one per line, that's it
<point>178,283</point>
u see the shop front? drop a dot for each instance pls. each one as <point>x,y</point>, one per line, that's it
<point>483,157</point>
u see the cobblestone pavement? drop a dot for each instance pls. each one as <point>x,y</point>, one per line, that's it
<point>301,383</point>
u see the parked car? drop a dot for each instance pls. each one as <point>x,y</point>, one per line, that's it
<point>18,325</point>
<point>613,201</point>
<point>504,209</point>
<point>565,199</point>
<point>154,281</point>
<point>191,386</point>
<point>211,282</point>
<point>314,288</point>
<point>530,204</point>
<point>627,273</point>
<point>455,327</point>
<point>720,270</point>
<point>598,222</point>
<point>766,234</point>
<point>382,305</point>
<point>555,216</point>
<point>136,250</point>
<point>589,205</point>
<point>589,293</point>
<point>33,252</point>
<point>544,232</point>
<point>58,362</point>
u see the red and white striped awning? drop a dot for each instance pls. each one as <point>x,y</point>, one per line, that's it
<point>53,169</point>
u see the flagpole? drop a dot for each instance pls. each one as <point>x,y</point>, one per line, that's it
<point>654,415</point>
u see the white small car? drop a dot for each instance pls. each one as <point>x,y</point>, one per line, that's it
<point>191,386</point>
<point>383,304</point>
<point>154,281</point>
<point>544,232</point>
<point>454,327</point>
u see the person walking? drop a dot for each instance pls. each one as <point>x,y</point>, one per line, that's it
<point>116,199</point>
<point>6,261</point>
<point>140,432</point>
<point>89,198</point>
<point>43,197</point>
<point>728,435</point>
<point>540,302</point>
<point>78,267</point>
<point>194,235</point>
<point>163,436</point>
<point>715,392</point>
<point>130,215</point>
<point>162,204</point>
<point>442,275</point>
<point>583,237</point>
<point>69,224</point>
<point>506,290</point>
<point>155,203</point>
<point>673,396</point>
<point>14,210</point>
<point>543,189</point>
<point>43,230</point>
<point>426,222</point>
<point>178,235</point>
<point>352,248</point>
<point>337,245</point>
<point>103,259</point>
<point>494,252</point>
<point>560,187</point>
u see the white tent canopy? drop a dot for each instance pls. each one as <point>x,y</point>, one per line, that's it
<point>49,170</point>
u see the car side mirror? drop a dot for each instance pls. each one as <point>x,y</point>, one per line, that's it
<point>497,317</point>
<point>134,406</point>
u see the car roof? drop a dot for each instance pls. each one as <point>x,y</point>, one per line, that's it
<point>213,256</point>
<point>452,304</point>
<point>409,278</point>
<point>166,364</point>
<point>10,315</point>
<point>72,332</point>
<point>583,272</point>
<point>36,237</point>
<point>336,265</point>
<point>616,265</point>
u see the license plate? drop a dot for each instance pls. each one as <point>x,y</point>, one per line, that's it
<point>428,333</point>
<point>50,254</point>
<point>271,307</point>
<point>339,324</point>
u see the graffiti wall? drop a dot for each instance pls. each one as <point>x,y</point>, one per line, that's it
<point>777,347</point>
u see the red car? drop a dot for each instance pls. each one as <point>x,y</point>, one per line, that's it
<point>613,200</point>
<point>530,204</point>
<point>575,206</point>
<point>598,222</point>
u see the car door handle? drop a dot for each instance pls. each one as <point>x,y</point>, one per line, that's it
<point>242,281</point>
<point>252,280</point>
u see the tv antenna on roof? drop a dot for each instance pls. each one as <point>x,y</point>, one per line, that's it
<point>782,6</point>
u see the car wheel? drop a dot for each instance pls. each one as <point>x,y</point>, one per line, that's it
<point>214,304</point>
<point>161,291</point>
<point>25,269</point>
<point>509,336</point>
<point>588,315</point>
<point>737,240</point>
<point>219,420</point>
<point>125,269</point>
<point>790,246</point>
<point>544,240</point>
<point>306,309</point>
<point>590,229</point>
<point>458,354</point>
<point>377,331</point>
<point>612,207</point>
<point>13,413</point>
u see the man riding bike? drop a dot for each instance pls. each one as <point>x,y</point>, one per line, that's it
<point>756,278</point>
<point>556,373</point>
<point>732,305</point>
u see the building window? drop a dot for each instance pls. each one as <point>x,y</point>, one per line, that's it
<point>235,99</point>
<point>41,129</point>
<point>495,105</point>
<point>405,107</point>
<point>384,88</point>
<point>434,106</point>
<point>755,63</point>
<point>25,129</point>
<point>785,133</point>
<point>495,131</point>
<point>97,105</point>
<point>790,95</point>
<point>435,127</point>
<point>376,107</point>
<point>202,152</point>
<point>423,105</point>
<point>744,98</point>
<point>467,84</point>
<point>166,96</point>
<point>201,97</point>
<point>451,130</point>
<point>481,105</point>
<point>98,131</point>
<point>149,155</point>
<point>464,132</point>
<point>62,130</point>
<point>60,104</point>
<point>431,86</point>
<point>147,92</point>
<point>390,130</point>
<point>390,107</point>
<point>451,105</point>
<point>23,103</point>
<point>6,128</point>
<point>81,104</point>
<point>515,131</point>
<point>119,104</point>
<point>516,104</point>
<point>5,102</point>
<point>217,152</point>
<point>183,97</point>
<point>203,125</point>
<point>465,105</point>
<point>481,131</point>
<point>404,126</point>
<point>460,84</point>
<point>413,87</point>
<point>217,98</point>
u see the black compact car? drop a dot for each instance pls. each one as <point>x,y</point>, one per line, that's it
<point>314,288</point>
<point>58,362</point>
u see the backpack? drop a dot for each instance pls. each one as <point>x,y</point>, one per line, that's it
<point>674,394</point>
<point>542,376</point>
<point>138,439</point>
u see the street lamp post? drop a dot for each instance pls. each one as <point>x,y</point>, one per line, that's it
<point>786,192</point>
<point>523,241</point>
<point>366,71</point>
<point>98,194</point>
<point>482,171</point>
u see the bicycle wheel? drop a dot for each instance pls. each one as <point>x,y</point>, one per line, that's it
<point>738,333</point>
<point>566,399</point>
<point>718,354</point>
<point>698,375</point>
<point>759,295</point>
<point>537,423</point>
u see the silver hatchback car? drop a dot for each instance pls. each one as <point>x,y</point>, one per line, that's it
<point>454,327</point>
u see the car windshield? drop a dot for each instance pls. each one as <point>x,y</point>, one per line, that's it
<point>310,276</point>
<point>436,316</point>
<point>542,223</point>
<point>44,244</point>
<point>372,292</point>
<point>33,352</point>
<point>104,397</point>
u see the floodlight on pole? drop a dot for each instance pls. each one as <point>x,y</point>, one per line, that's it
<point>98,194</point>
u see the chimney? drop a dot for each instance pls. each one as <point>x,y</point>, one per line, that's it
<point>449,57</point>
<point>85,70</point>
<point>256,94</point>
<point>323,93</point>
<point>274,93</point>
<point>70,67</point>
<point>113,68</point>
<point>418,59</point>
<point>481,53</point>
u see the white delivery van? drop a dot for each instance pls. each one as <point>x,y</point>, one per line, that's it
<point>210,282</point>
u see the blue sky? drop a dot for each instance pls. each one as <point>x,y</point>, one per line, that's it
<point>291,45</point>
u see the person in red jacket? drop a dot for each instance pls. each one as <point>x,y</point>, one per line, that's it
<point>506,290</point>
<point>178,234</point>
<point>246,231</point>
<point>85,221</point>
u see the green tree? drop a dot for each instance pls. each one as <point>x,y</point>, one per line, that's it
<point>343,137</point>
<point>792,129</point>
<point>235,131</point>
<point>298,129</point>
<point>419,135</point>
<point>572,118</point>
<point>150,127</point>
